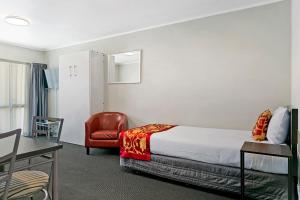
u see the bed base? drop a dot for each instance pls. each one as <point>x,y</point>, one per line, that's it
<point>259,185</point>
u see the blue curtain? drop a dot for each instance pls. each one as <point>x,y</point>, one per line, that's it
<point>38,94</point>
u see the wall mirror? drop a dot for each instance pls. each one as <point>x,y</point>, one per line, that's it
<point>124,67</point>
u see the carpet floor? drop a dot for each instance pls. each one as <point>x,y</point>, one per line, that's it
<point>99,176</point>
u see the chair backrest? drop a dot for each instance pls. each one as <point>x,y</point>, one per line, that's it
<point>36,120</point>
<point>9,158</point>
<point>110,120</point>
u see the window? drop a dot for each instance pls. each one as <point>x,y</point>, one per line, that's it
<point>13,95</point>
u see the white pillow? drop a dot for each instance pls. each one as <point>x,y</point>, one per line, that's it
<point>279,126</point>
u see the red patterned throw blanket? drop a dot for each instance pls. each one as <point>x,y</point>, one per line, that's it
<point>135,143</point>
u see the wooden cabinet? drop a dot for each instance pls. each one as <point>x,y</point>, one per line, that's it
<point>81,92</point>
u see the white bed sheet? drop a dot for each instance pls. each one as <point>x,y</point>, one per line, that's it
<point>216,146</point>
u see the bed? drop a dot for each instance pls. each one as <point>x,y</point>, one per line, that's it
<point>209,158</point>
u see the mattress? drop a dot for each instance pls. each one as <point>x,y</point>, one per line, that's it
<point>215,146</point>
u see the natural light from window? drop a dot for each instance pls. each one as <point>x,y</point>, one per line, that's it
<point>13,91</point>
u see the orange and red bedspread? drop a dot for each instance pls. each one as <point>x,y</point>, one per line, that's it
<point>135,142</point>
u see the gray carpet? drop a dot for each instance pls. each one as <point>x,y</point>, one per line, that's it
<point>99,176</point>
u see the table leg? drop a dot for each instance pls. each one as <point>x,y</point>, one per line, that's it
<point>242,175</point>
<point>55,176</point>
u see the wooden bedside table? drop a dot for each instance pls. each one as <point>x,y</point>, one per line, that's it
<point>270,150</point>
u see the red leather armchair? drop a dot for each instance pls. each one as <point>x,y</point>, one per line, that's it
<point>102,130</point>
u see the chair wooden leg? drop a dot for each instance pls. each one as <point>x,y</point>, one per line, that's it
<point>87,151</point>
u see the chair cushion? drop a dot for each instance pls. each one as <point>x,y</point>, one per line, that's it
<point>25,183</point>
<point>105,135</point>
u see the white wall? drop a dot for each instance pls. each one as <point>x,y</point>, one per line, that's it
<point>20,54</point>
<point>296,53</point>
<point>296,63</point>
<point>221,71</point>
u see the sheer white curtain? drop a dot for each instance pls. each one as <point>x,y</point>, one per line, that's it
<point>14,84</point>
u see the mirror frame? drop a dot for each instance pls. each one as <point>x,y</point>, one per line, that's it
<point>140,68</point>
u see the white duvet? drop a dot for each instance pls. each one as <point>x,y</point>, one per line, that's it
<point>216,146</point>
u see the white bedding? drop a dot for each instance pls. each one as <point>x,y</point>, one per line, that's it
<point>216,146</point>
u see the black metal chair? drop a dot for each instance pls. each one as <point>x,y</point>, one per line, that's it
<point>9,158</point>
<point>20,184</point>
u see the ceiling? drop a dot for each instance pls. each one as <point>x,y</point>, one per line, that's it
<point>60,23</point>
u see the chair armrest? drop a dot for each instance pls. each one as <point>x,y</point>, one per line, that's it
<point>91,125</point>
<point>123,125</point>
